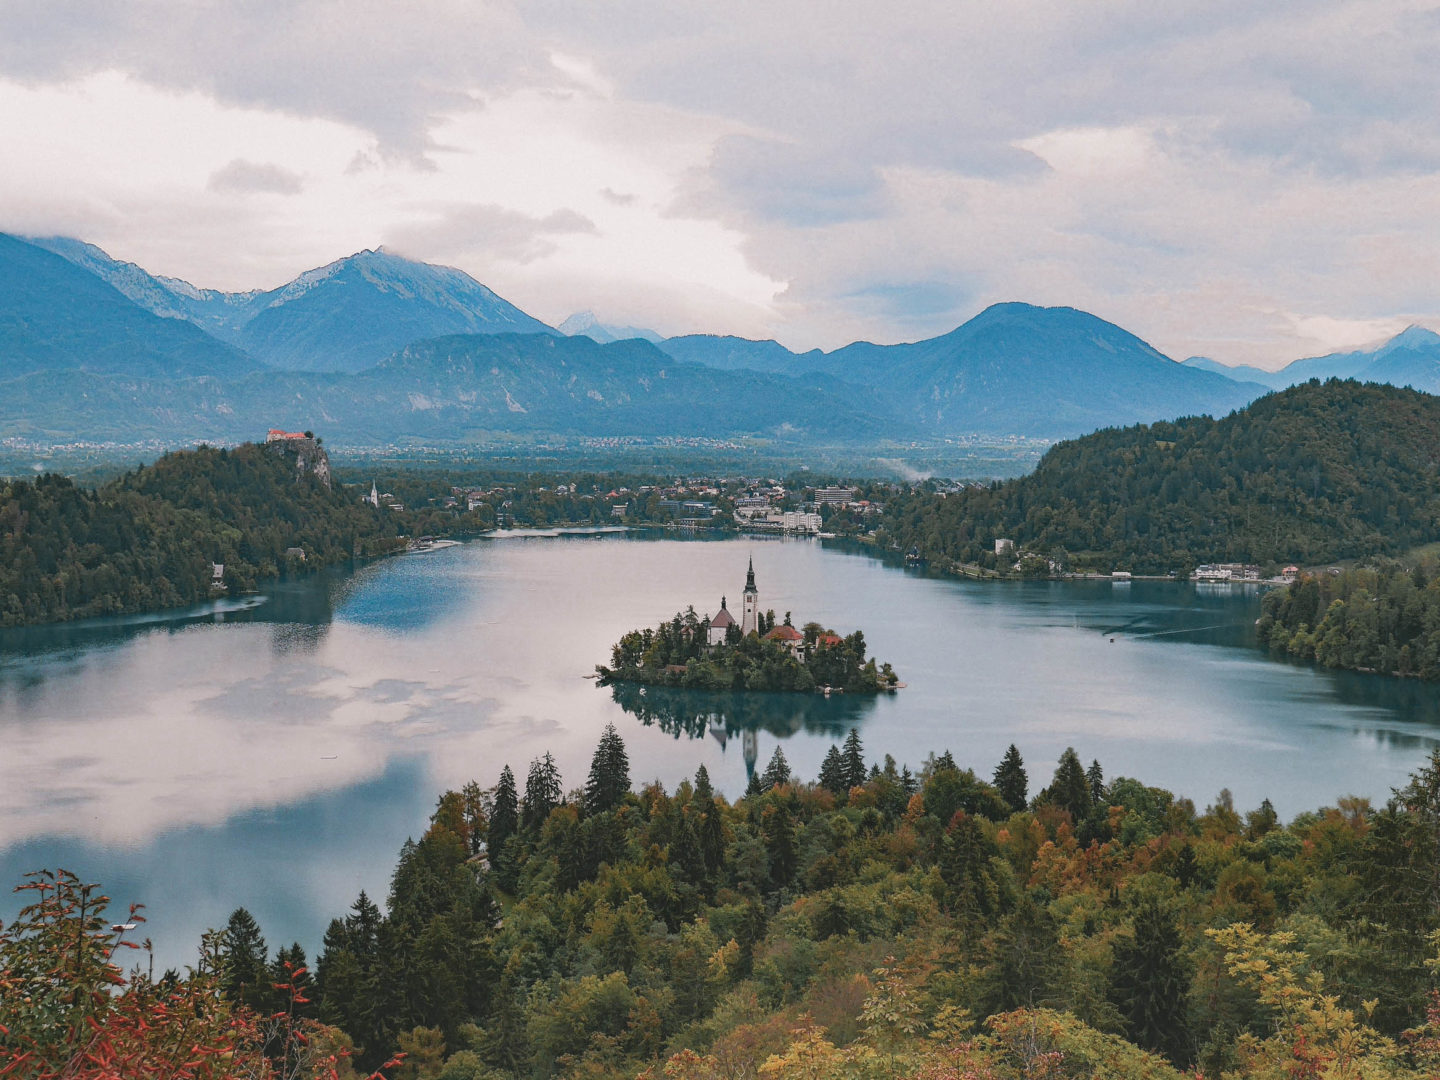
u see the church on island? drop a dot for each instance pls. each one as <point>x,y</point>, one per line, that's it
<point>790,639</point>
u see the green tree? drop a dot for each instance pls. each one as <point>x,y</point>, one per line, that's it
<point>609,780</point>
<point>504,812</point>
<point>1070,789</point>
<point>542,793</point>
<point>1011,780</point>
<point>832,772</point>
<point>245,975</point>
<point>852,759</point>
<point>1095,781</point>
<point>777,772</point>
<point>1150,983</point>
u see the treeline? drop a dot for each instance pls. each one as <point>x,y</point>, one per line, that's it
<point>677,653</point>
<point>1383,618</point>
<point>147,539</point>
<point>1311,474</point>
<point>885,923</point>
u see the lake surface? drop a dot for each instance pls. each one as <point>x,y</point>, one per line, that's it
<point>276,755</point>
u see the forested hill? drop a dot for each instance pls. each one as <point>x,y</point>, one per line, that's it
<point>1310,474</point>
<point>148,539</point>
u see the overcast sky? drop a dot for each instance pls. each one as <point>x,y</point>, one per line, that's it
<point>1249,181</point>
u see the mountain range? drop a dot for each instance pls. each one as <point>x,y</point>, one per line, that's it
<point>1411,358</point>
<point>375,349</point>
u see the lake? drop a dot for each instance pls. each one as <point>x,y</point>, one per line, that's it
<point>276,754</point>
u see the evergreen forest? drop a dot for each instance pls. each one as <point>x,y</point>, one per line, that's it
<point>1312,474</point>
<point>1383,618</point>
<point>148,539</point>
<point>877,922</point>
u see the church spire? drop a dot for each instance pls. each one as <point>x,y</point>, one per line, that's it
<point>750,576</point>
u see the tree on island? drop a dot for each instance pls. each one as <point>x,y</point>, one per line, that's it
<point>609,780</point>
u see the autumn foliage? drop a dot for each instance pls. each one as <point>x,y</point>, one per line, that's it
<point>68,1009</point>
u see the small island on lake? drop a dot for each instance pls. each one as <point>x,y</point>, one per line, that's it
<point>755,653</point>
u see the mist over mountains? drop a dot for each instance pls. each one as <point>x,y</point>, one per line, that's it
<point>375,349</point>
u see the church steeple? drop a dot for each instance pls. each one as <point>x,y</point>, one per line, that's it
<point>750,613</point>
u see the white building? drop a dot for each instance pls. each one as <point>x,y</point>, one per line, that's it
<point>720,624</point>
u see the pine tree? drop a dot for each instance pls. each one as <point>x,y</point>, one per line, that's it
<point>1095,780</point>
<point>1070,790</point>
<point>776,773</point>
<point>609,780</point>
<point>853,758</point>
<point>542,793</point>
<point>964,859</point>
<point>710,828</point>
<point>704,793</point>
<point>908,783</point>
<point>246,977</point>
<point>832,772</point>
<point>778,828</point>
<point>504,813</point>
<point>1150,983</point>
<point>1011,780</point>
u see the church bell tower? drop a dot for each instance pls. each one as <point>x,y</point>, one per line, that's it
<point>750,616</point>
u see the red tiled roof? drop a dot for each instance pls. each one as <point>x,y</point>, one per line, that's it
<point>723,618</point>
<point>830,639</point>
<point>784,633</point>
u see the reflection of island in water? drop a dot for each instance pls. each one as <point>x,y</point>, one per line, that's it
<point>726,715</point>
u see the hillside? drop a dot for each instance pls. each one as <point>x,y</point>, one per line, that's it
<point>1310,474</point>
<point>58,318</point>
<point>874,923</point>
<point>454,389</point>
<point>147,540</point>
<point>729,353</point>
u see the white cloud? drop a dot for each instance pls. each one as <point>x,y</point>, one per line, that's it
<point>1194,170</point>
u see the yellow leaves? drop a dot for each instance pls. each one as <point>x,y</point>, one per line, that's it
<point>722,961</point>
<point>810,1057</point>
<point>1313,1027</point>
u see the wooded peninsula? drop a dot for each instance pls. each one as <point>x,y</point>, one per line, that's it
<point>195,524</point>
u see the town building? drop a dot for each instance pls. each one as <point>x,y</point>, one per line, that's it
<point>835,496</point>
<point>1227,572</point>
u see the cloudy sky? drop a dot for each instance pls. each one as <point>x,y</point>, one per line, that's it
<point>1249,181</point>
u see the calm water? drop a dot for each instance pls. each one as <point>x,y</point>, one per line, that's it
<point>278,755</point>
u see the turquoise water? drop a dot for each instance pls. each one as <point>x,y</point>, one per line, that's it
<point>278,754</point>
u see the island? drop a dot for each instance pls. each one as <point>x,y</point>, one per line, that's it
<point>718,653</point>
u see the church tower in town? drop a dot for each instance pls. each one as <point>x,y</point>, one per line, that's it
<point>750,616</point>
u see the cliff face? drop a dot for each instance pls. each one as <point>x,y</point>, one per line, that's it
<point>308,454</point>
